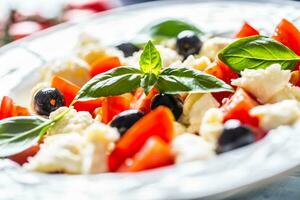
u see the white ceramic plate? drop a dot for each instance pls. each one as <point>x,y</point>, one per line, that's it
<point>224,176</point>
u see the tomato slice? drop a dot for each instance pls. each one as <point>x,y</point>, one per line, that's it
<point>246,31</point>
<point>67,88</point>
<point>111,106</point>
<point>88,105</point>
<point>7,108</point>
<point>158,122</point>
<point>225,73</point>
<point>142,102</point>
<point>155,153</point>
<point>104,64</point>
<point>288,34</point>
<point>238,107</point>
<point>23,156</point>
<point>95,5</point>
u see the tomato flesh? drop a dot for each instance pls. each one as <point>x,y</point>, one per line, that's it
<point>7,108</point>
<point>155,153</point>
<point>288,34</point>
<point>238,107</point>
<point>112,106</point>
<point>246,31</point>
<point>158,122</point>
<point>104,64</point>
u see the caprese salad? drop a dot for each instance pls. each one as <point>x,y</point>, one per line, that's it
<point>173,94</point>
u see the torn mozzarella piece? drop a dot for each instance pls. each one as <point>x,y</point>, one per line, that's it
<point>263,83</point>
<point>189,147</point>
<point>273,115</point>
<point>179,128</point>
<point>73,122</point>
<point>288,92</point>
<point>192,62</point>
<point>212,125</point>
<point>211,47</point>
<point>75,153</point>
<point>194,109</point>
<point>168,56</point>
<point>73,69</point>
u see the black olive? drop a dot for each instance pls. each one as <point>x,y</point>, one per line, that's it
<point>127,48</point>
<point>125,120</point>
<point>173,102</point>
<point>47,100</point>
<point>188,43</point>
<point>234,136</point>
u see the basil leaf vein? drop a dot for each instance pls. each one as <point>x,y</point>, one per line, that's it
<point>113,82</point>
<point>177,80</point>
<point>257,52</point>
<point>150,60</point>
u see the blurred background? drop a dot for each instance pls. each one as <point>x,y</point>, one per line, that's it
<point>20,18</point>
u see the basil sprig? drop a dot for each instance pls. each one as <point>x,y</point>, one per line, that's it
<point>257,52</point>
<point>19,133</point>
<point>163,29</point>
<point>170,80</point>
<point>169,28</point>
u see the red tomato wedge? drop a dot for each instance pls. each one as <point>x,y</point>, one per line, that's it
<point>238,107</point>
<point>288,34</point>
<point>7,108</point>
<point>246,31</point>
<point>88,105</point>
<point>111,106</point>
<point>155,153</point>
<point>23,156</point>
<point>158,122</point>
<point>104,64</point>
<point>225,73</point>
<point>142,102</point>
<point>67,88</point>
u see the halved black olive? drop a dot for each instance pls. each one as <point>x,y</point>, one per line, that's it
<point>173,102</point>
<point>188,43</point>
<point>47,100</point>
<point>234,136</point>
<point>125,120</point>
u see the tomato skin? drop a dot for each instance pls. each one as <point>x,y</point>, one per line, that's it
<point>141,101</point>
<point>158,122</point>
<point>95,5</point>
<point>246,31</point>
<point>104,64</point>
<point>111,106</point>
<point>23,156</point>
<point>288,34</point>
<point>225,73</point>
<point>67,88</point>
<point>88,105</point>
<point>155,153</point>
<point>238,107</point>
<point>7,108</point>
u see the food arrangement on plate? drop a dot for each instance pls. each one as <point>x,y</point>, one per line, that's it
<point>171,95</point>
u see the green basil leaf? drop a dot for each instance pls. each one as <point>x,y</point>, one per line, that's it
<point>176,80</point>
<point>113,82</point>
<point>148,81</point>
<point>257,52</point>
<point>150,60</point>
<point>20,133</point>
<point>169,28</point>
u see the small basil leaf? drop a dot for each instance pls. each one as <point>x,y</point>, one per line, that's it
<point>169,28</point>
<point>257,52</point>
<point>150,60</point>
<point>177,80</point>
<point>113,82</point>
<point>20,133</point>
<point>148,81</point>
